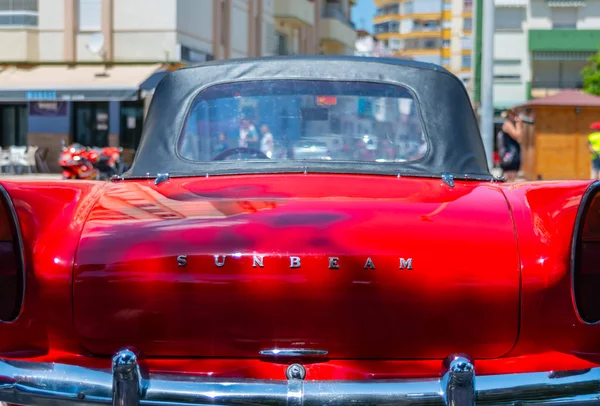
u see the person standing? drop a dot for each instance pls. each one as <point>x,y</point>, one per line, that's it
<point>594,146</point>
<point>509,143</point>
<point>248,135</point>
<point>266,142</point>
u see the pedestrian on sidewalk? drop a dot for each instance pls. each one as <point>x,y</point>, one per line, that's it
<point>509,144</point>
<point>594,145</point>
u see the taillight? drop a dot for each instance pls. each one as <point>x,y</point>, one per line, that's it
<point>12,272</point>
<point>586,256</point>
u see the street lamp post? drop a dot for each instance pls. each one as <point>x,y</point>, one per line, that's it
<point>487,80</point>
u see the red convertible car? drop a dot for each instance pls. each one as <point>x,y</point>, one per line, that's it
<point>230,266</point>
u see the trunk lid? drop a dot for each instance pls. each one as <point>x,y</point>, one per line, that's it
<point>462,293</point>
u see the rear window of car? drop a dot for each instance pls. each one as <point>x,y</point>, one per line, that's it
<point>303,120</point>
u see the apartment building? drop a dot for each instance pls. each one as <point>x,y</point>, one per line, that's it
<point>84,70</point>
<point>540,47</point>
<point>314,27</point>
<point>435,31</point>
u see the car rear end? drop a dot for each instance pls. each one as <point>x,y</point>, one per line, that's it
<point>120,320</point>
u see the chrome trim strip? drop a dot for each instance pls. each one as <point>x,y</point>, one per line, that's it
<point>293,352</point>
<point>46,384</point>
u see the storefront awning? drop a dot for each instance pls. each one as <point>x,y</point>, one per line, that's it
<point>78,83</point>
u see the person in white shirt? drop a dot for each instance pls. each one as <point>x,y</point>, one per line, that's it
<point>248,135</point>
<point>266,142</point>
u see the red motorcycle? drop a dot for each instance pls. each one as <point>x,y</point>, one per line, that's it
<point>80,162</point>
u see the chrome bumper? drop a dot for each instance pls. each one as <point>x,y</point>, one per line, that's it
<point>32,383</point>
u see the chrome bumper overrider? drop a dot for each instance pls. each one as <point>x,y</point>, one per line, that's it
<point>32,383</point>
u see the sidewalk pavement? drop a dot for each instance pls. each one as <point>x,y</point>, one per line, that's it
<point>31,176</point>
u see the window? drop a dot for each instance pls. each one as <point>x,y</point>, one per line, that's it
<point>224,25</point>
<point>466,61</point>
<point>468,5</point>
<point>395,44</point>
<point>408,7</point>
<point>468,24</point>
<point>18,12</point>
<point>509,18</point>
<point>564,18</point>
<point>427,6</point>
<point>90,15</point>
<point>282,44</point>
<point>302,120</point>
<point>508,77</point>
<point>446,62</point>
<point>131,120</point>
<point>429,44</point>
<point>90,123</point>
<point>13,125</point>
<point>393,9</point>
<point>446,43</point>
<point>447,5</point>
<point>427,25</point>
<point>388,26</point>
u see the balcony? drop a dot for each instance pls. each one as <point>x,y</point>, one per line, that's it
<point>335,28</point>
<point>543,88</point>
<point>565,3</point>
<point>297,13</point>
<point>511,3</point>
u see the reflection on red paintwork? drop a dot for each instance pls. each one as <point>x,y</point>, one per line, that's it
<point>129,249</point>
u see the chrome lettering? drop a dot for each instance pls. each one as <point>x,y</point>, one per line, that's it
<point>182,260</point>
<point>257,260</point>
<point>369,264</point>
<point>333,263</point>
<point>218,262</point>
<point>406,264</point>
<point>294,262</point>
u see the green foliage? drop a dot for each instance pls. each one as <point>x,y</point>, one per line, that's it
<point>591,76</point>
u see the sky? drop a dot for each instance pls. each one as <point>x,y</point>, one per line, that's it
<point>362,15</point>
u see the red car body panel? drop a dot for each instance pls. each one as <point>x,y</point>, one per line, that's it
<point>467,246</point>
<point>127,260</point>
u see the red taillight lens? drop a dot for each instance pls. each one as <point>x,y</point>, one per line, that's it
<point>12,275</point>
<point>586,257</point>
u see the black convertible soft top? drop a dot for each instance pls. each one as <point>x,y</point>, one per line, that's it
<point>455,145</point>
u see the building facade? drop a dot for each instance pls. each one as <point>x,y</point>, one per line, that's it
<point>540,47</point>
<point>435,31</point>
<point>314,27</point>
<point>84,70</point>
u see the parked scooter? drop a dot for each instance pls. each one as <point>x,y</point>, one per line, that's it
<point>80,162</point>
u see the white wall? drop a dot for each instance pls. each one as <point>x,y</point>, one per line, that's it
<point>51,14</point>
<point>144,30</point>
<point>268,28</point>
<point>437,59</point>
<point>511,56</point>
<point>195,24</point>
<point>239,28</point>
<point>19,45</point>
<point>195,19</point>
<point>51,22</point>
<point>539,15</point>
<point>145,15</point>
<point>589,16</point>
<point>427,6</point>
<point>508,94</point>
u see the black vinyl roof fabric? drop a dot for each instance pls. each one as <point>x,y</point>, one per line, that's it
<point>455,145</point>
